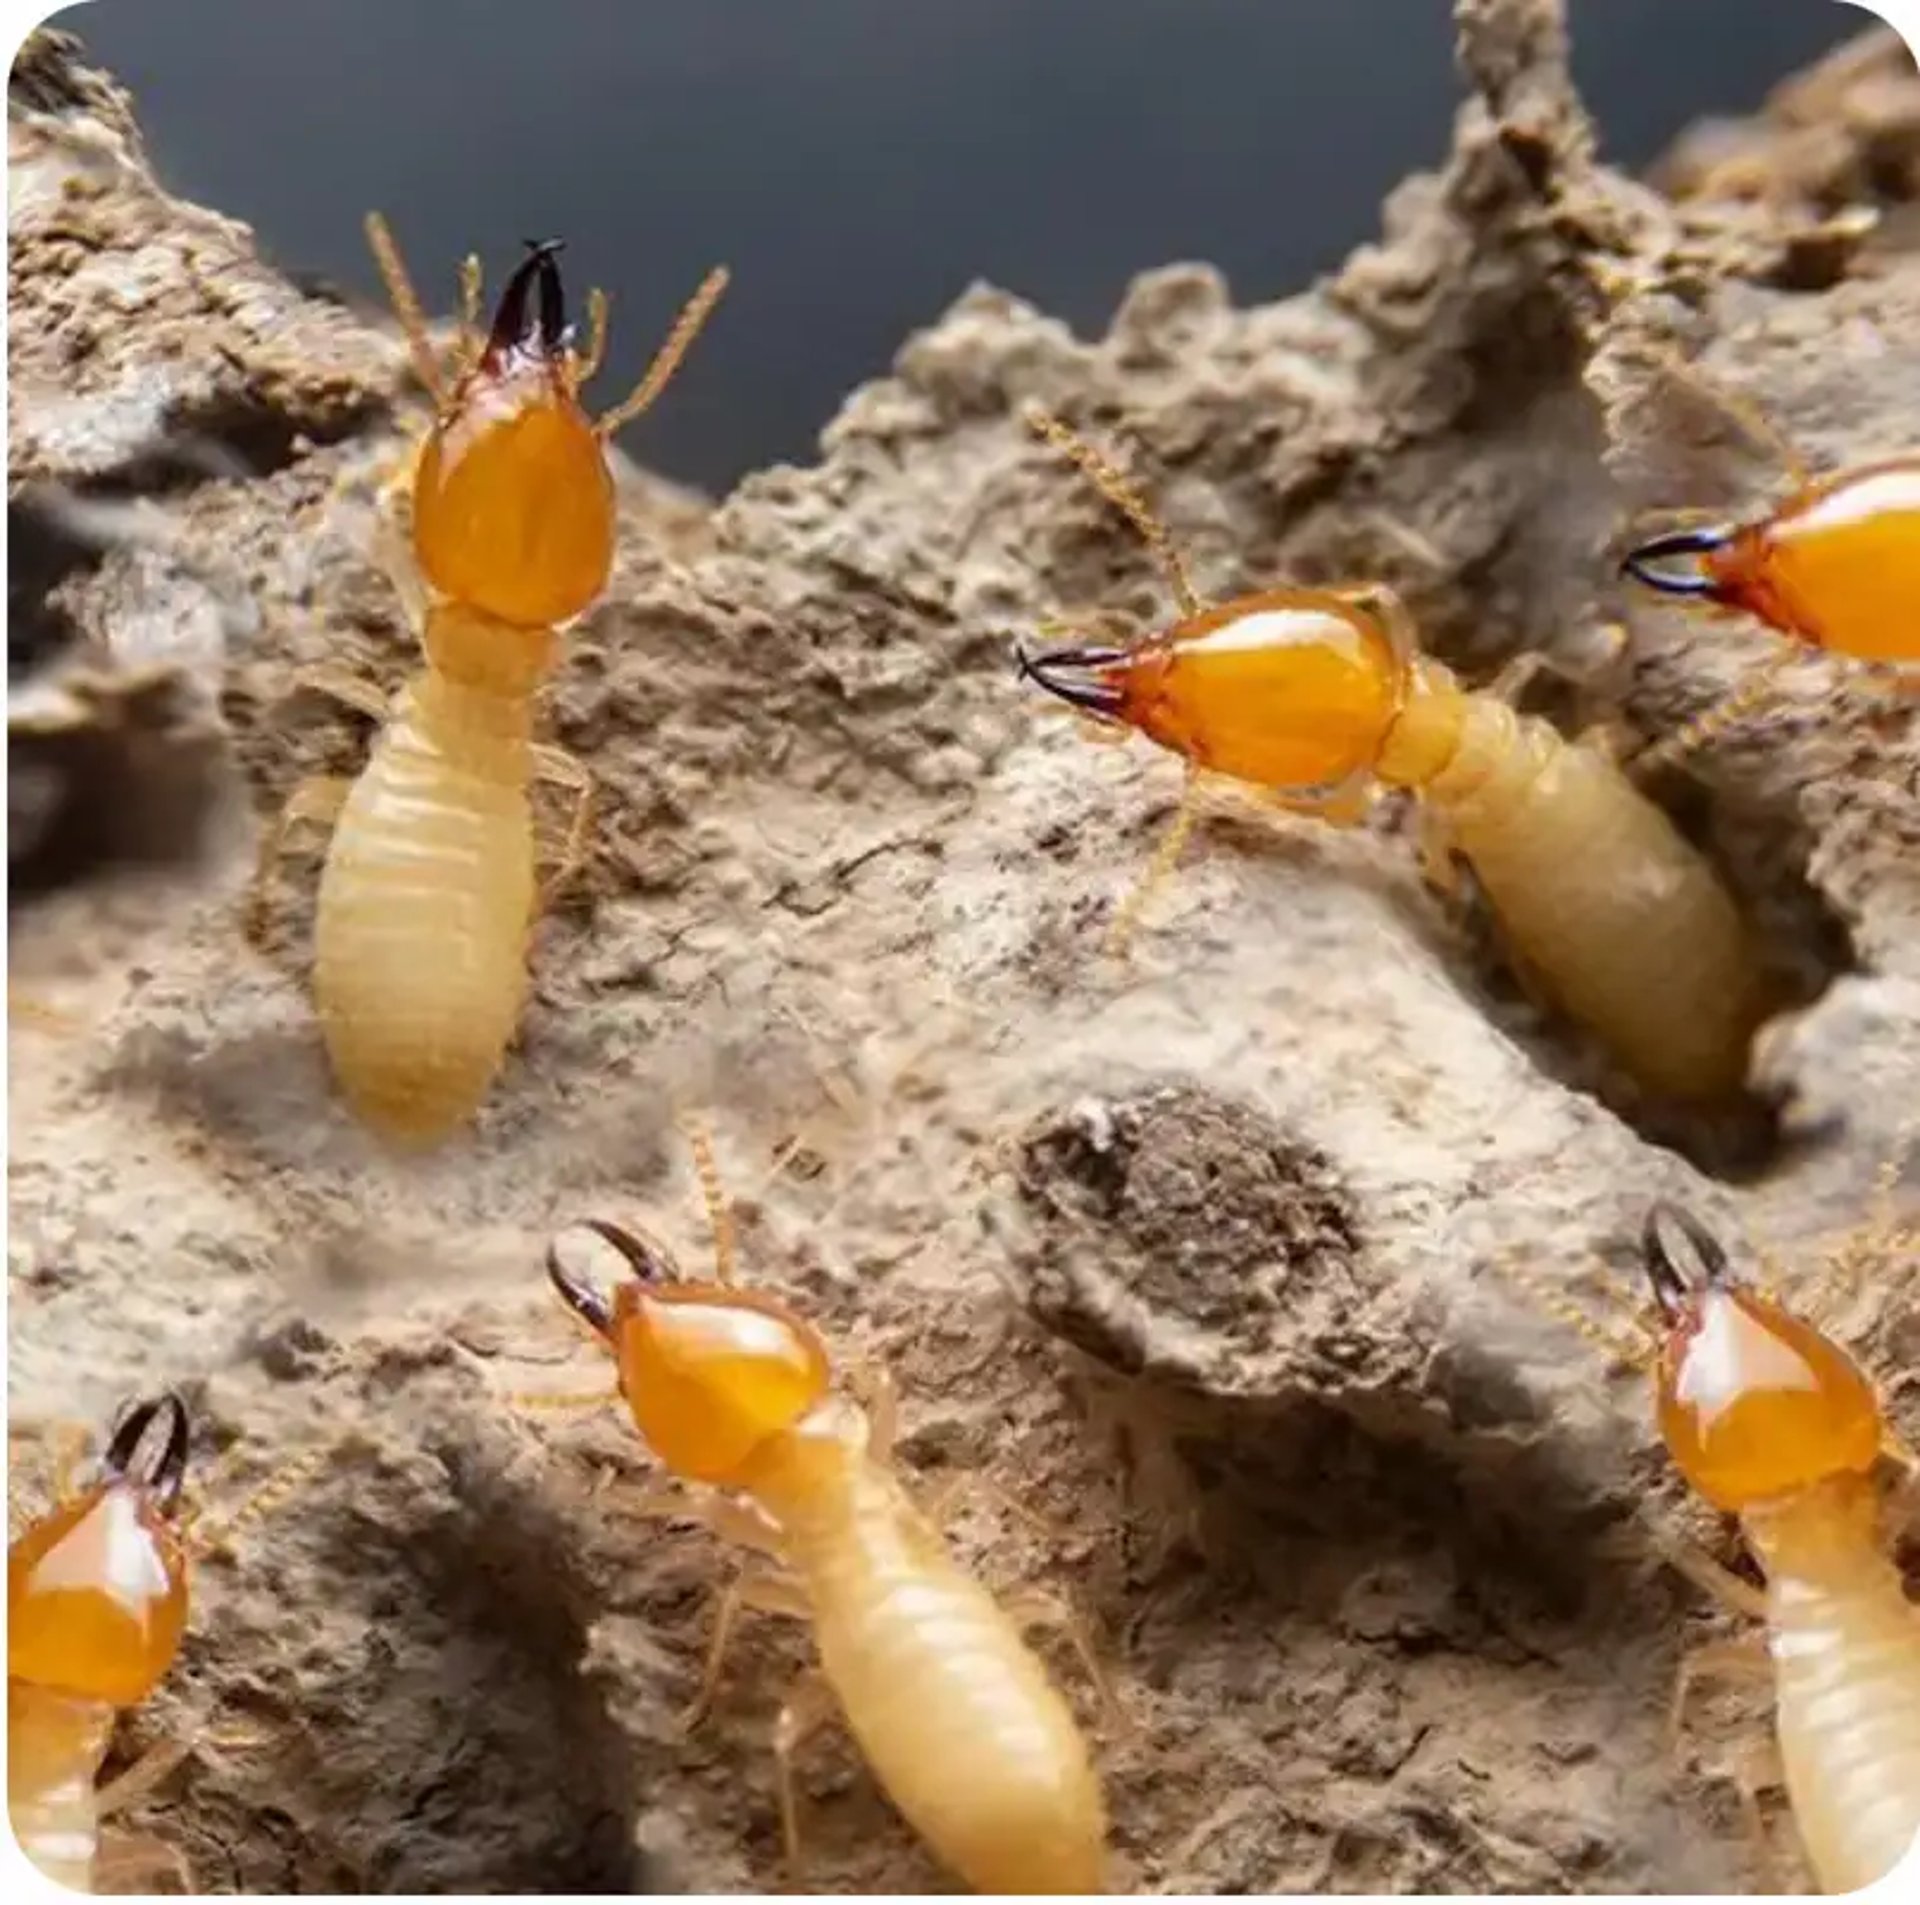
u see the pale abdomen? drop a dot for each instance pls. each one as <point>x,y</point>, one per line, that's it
<point>1624,924</point>
<point>1848,1671</point>
<point>953,1711</point>
<point>421,936</point>
<point>54,1749</point>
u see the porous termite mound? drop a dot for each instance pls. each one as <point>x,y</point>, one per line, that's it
<point>1263,1170</point>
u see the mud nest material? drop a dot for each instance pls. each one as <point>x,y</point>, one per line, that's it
<point>1195,1253</point>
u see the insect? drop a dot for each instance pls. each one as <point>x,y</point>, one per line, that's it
<point>429,890</point>
<point>96,1604</point>
<point>1318,698</point>
<point>959,1721</point>
<point>1836,566</point>
<point>1771,1421</point>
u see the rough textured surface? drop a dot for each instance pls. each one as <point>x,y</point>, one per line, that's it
<point>1196,1252</point>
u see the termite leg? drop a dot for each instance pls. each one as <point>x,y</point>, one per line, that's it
<point>1738,1596</point>
<point>809,1705</point>
<point>1743,1659</point>
<point>943,1500</point>
<point>763,1594</point>
<point>558,768</point>
<point>141,1777</point>
<point>731,1521</point>
<point>1514,675</point>
<point>317,801</point>
<point>344,686</point>
<point>1042,1607</point>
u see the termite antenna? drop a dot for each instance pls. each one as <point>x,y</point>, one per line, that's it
<point>406,303</point>
<point>713,1193</point>
<point>1689,579</point>
<point>1760,687</point>
<point>1124,497</point>
<point>165,1465</point>
<point>666,360</point>
<point>1673,1290</point>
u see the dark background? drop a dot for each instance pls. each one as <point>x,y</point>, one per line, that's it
<point>858,162</point>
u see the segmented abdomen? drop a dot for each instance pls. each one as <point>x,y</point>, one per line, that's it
<point>54,1749</point>
<point>954,1712</point>
<point>1847,1660</point>
<point>421,938</point>
<point>1626,926</point>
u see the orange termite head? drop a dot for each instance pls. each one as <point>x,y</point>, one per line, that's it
<point>512,503</point>
<point>1292,688</point>
<point>711,1374</point>
<point>97,1589</point>
<point>1753,1403</point>
<point>1726,564</point>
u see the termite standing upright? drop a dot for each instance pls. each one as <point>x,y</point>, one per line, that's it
<point>429,890</point>
<point>1770,1420</point>
<point>96,1604</point>
<point>955,1715</point>
<point>1317,697</point>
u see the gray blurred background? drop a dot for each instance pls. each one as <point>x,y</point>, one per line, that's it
<point>858,162</point>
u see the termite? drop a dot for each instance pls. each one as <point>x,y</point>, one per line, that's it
<point>1318,698</point>
<point>1835,565</point>
<point>1769,1420</point>
<point>96,1605</point>
<point>429,890</point>
<point>732,1390</point>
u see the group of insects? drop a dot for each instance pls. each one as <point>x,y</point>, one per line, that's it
<point>1319,698</point>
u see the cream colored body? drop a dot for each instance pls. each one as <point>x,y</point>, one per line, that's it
<point>1622,922</point>
<point>55,1745</point>
<point>954,1712</point>
<point>1846,1648</point>
<point>425,906</point>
